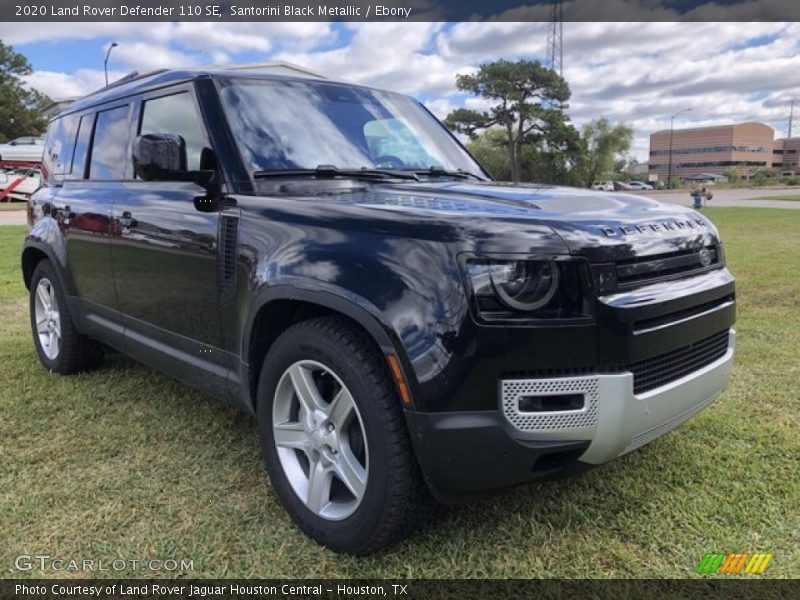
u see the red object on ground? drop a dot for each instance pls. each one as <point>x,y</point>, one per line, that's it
<point>17,164</point>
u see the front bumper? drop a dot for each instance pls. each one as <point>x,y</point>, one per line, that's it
<point>463,453</point>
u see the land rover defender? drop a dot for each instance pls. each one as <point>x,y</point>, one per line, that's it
<point>331,259</point>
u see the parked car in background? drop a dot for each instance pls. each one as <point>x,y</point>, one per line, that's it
<point>621,186</point>
<point>603,186</point>
<point>639,185</point>
<point>23,149</point>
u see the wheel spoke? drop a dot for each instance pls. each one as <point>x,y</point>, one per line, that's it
<point>306,389</point>
<point>340,408</point>
<point>52,304</point>
<point>350,471</point>
<point>51,341</point>
<point>44,297</point>
<point>41,326</point>
<point>291,435</point>
<point>319,487</point>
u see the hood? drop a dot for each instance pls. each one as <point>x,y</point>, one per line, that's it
<point>600,225</point>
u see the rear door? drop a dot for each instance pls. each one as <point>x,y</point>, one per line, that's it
<point>81,210</point>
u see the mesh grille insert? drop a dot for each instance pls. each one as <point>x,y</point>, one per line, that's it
<point>663,369</point>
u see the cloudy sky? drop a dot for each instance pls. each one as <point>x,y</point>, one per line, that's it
<point>639,73</point>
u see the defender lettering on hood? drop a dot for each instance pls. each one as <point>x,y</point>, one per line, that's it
<point>661,226</point>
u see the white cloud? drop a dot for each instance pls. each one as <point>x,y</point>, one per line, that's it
<point>62,85</point>
<point>636,72</point>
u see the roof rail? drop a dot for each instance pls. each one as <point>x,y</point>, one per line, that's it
<point>132,76</point>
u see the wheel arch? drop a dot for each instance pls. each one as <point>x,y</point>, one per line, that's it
<point>282,306</point>
<point>33,253</point>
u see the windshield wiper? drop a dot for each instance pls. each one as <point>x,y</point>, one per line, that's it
<point>329,172</point>
<point>459,174</point>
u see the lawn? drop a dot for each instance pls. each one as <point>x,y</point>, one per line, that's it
<point>794,197</point>
<point>126,463</point>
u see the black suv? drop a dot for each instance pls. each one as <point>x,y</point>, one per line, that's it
<point>331,259</point>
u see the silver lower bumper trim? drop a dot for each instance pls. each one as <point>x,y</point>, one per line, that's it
<point>619,421</point>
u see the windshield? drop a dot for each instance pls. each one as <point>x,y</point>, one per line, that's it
<point>291,125</point>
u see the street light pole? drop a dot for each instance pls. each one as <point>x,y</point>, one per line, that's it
<point>671,131</point>
<point>105,62</point>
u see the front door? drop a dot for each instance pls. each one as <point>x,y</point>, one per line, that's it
<point>164,255</point>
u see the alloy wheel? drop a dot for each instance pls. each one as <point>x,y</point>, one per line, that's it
<point>48,318</point>
<point>320,440</point>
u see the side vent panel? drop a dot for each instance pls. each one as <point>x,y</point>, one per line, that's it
<point>228,237</point>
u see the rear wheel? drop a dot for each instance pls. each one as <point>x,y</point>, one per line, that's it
<point>334,438</point>
<point>59,345</point>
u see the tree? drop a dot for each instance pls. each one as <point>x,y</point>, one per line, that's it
<point>603,144</point>
<point>554,162</point>
<point>526,105</point>
<point>733,174</point>
<point>490,150</point>
<point>20,107</point>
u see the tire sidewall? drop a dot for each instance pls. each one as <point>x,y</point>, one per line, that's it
<point>306,344</point>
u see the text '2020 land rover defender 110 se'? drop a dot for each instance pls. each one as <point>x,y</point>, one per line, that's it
<point>331,259</point>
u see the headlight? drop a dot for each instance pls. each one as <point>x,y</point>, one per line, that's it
<point>525,284</point>
<point>527,289</point>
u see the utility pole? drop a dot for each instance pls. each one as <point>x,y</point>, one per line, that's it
<point>671,130</point>
<point>555,39</point>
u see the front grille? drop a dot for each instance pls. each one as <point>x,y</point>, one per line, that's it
<point>644,268</point>
<point>663,369</point>
<point>648,374</point>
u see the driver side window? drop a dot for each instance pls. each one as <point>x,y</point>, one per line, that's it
<point>176,114</point>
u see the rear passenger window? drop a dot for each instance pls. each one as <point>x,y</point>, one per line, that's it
<point>57,158</point>
<point>82,146</point>
<point>176,114</point>
<point>110,147</point>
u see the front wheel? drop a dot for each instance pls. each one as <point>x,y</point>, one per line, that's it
<point>334,439</point>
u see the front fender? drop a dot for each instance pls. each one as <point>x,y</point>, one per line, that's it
<point>339,300</point>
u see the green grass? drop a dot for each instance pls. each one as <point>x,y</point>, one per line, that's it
<point>790,197</point>
<point>127,463</point>
<point>13,205</point>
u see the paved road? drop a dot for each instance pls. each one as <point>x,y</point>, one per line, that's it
<point>13,217</point>
<point>737,197</point>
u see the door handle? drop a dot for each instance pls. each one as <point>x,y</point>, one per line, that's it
<point>65,212</point>
<point>127,221</point>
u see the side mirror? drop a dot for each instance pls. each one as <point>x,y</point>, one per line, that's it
<point>162,157</point>
<point>159,157</point>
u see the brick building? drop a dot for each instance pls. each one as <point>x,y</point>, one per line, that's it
<point>747,147</point>
<point>785,156</point>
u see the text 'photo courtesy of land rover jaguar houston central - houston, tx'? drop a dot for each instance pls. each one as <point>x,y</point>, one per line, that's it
<point>331,259</point>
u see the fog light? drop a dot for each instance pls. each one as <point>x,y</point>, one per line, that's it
<point>555,403</point>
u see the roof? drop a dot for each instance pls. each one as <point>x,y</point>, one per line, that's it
<point>728,126</point>
<point>274,65</point>
<point>136,83</point>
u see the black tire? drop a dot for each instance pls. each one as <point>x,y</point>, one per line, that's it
<point>77,353</point>
<point>396,500</point>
